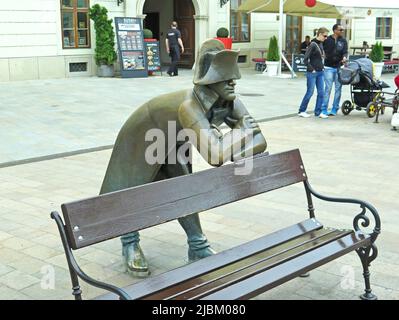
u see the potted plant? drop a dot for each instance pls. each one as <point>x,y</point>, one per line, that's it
<point>105,54</point>
<point>148,35</point>
<point>273,58</point>
<point>223,35</point>
<point>377,56</point>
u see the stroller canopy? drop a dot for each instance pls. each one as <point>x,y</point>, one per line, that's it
<point>351,73</point>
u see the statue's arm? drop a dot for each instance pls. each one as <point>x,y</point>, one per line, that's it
<point>240,119</point>
<point>216,148</point>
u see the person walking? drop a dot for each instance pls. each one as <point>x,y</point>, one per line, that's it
<point>305,44</point>
<point>314,60</point>
<point>173,45</point>
<point>336,50</point>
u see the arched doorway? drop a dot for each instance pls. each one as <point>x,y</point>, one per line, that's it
<point>159,15</point>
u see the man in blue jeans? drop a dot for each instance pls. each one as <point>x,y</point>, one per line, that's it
<point>336,51</point>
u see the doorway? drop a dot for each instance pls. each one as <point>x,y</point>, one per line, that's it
<point>152,22</point>
<point>184,15</point>
<point>160,14</point>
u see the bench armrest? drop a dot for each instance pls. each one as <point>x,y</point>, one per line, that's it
<point>74,267</point>
<point>361,217</point>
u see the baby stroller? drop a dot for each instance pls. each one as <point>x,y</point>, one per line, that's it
<point>387,99</point>
<point>364,89</point>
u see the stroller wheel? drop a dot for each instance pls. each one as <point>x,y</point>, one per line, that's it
<point>346,107</point>
<point>371,110</point>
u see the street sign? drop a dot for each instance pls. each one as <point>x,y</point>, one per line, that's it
<point>297,63</point>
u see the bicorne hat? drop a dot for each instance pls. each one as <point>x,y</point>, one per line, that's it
<point>215,63</point>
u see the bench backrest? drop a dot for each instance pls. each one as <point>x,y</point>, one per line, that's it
<point>114,214</point>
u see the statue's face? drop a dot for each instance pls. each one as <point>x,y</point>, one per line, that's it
<point>225,89</point>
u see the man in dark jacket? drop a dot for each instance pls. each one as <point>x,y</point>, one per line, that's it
<point>305,44</point>
<point>174,44</point>
<point>336,51</point>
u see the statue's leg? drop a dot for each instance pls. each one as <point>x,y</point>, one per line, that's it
<point>134,258</point>
<point>198,245</point>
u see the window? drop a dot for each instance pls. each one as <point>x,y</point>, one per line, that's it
<point>383,28</point>
<point>240,23</point>
<point>75,24</point>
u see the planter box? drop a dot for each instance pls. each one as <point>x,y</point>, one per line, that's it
<point>272,68</point>
<point>105,71</point>
<point>377,69</point>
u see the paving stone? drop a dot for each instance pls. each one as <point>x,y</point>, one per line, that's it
<point>29,239</point>
<point>41,252</point>
<point>11,294</point>
<point>17,280</point>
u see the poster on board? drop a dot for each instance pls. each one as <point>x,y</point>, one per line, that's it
<point>153,55</point>
<point>131,48</point>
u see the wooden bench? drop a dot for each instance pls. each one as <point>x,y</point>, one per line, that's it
<point>238,273</point>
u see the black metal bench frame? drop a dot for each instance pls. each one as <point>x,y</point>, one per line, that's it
<point>238,273</point>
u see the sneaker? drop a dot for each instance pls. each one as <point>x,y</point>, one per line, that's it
<point>323,116</point>
<point>303,115</point>
<point>331,113</point>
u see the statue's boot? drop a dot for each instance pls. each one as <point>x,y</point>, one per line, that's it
<point>135,262</point>
<point>198,245</point>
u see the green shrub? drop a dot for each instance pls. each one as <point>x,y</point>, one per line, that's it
<point>222,33</point>
<point>147,34</point>
<point>105,36</point>
<point>377,53</point>
<point>273,52</point>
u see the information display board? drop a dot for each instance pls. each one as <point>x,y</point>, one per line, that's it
<point>297,63</point>
<point>132,54</point>
<point>153,55</point>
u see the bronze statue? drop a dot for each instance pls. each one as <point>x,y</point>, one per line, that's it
<point>202,109</point>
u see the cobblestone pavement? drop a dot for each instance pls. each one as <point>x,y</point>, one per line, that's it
<point>46,117</point>
<point>344,156</point>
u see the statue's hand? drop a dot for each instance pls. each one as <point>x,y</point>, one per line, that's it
<point>247,122</point>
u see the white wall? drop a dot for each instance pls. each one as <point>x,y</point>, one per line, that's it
<point>311,23</point>
<point>365,31</point>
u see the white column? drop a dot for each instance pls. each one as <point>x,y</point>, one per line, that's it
<point>201,29</point>
<point>130,8</point>
<point>280,34</point>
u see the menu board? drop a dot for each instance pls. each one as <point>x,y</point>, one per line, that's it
<point>153,56</point>
<point>297,63</point>
<point>132,54</point>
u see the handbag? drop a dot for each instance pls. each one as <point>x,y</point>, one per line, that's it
<point>395,120</point>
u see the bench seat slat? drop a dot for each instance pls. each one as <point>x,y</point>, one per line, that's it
<point>110,215</point>
<point>170,278</point>
<point>271,278</point>
<point>216,280</point>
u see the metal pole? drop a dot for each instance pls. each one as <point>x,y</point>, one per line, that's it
<point>280,35</point>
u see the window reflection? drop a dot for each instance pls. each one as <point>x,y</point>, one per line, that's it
<point>239,23</point>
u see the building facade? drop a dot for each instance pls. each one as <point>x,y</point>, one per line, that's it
<point>42,39</point>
